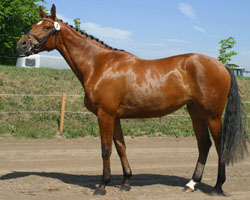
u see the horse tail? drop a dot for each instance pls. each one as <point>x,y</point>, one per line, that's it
<point>233,138</point>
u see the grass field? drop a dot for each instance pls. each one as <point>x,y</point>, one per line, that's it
<point>17,117</point>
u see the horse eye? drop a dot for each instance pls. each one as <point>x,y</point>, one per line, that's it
<point>46,27</point>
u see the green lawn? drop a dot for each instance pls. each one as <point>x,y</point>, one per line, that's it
<point>22,122</point>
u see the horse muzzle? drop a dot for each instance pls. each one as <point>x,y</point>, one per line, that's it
<point>26,47</point>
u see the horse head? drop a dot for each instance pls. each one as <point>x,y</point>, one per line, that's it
<point>42,36</point>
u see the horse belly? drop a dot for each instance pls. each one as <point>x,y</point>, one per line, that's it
<point>146,112</point>
<point>153,102</point>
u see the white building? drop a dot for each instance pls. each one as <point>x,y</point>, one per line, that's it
<point>38,61</point>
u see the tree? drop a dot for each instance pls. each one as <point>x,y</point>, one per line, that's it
<point>16,18</point>
<point>77,23</point>
<point>225,55</point>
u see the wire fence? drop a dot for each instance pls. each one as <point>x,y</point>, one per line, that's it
<point>68,112</point>
<point>39,95</point>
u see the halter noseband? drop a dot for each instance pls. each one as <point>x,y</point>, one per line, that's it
<point>34,48</point>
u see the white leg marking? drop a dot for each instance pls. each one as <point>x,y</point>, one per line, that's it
<point>191,184</point>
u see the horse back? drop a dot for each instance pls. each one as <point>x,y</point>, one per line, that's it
<point>133,87</point>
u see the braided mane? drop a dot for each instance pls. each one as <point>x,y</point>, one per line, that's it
<point>90,36</point>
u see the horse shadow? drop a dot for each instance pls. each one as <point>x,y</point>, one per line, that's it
<point>90,181</point>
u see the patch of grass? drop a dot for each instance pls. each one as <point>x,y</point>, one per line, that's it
<point>35,133</point>
<point>158,126</point>
<point>1,82</point>
<point>15,80</point>
<point>80,125</point>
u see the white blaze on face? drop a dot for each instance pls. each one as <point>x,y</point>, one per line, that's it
<point>39,23</point>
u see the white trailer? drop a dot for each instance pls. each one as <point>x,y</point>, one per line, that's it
<point>42,61</point>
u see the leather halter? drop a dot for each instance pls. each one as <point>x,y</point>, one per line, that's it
<point>34,48</point>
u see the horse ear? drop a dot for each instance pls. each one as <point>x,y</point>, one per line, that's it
<point>53,11</point>
<point>42,13</point>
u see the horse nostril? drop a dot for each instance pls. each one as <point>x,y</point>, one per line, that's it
<point>24,43</point>
<point>22,46</point>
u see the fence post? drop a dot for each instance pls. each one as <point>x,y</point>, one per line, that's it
<point>62,112</point>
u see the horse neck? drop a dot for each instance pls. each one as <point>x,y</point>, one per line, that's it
<point>79,51</point>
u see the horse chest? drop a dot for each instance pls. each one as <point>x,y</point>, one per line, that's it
<point>90,105</point>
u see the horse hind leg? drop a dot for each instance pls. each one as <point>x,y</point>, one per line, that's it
<point>204,144</point>
<point>121,150</point>
<point>215,126</point>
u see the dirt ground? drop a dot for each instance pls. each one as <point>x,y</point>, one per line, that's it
<point>71,169</point>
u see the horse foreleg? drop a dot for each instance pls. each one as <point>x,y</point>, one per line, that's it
<point>204,144</point>
<point>121,150</point>
<point>106,125</point>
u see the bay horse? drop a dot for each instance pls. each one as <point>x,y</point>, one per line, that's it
<point>120,85</point>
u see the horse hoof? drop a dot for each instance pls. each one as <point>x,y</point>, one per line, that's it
<point>217,192</point>
<point>99,191</point>
<point>125,187</point>
<point>188,189</point>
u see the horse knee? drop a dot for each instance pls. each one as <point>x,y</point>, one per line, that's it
<point>106,152</point>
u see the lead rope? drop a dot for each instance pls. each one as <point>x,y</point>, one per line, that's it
<point>14,56</point>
